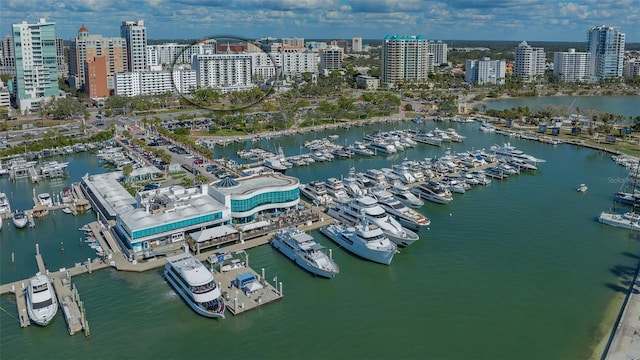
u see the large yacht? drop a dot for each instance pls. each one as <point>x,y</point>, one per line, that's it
<point>335,189</point>
<point>352,211</point>
<point>368,242</point>
<point>509,151</point>
<point>316,191</point>
<point>20,219</point>
<point>629,220</point>
<point>302,249</point>
<point>275,164</point>
<point>403,194</point>
<point>379,146</point>
<point>5,207</point>
<point>433,191</point>
<point>42,304</point>
<point>53,167</point>
<point>406,216</point>
<point>195,284</point>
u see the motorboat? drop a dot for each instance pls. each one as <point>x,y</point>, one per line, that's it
<point>403,194</point>
<point>302,249</point>
<point>45,199</point>
<point>380,146</point>
<point>509,151</point>
<point>65,195</point>
<point>434,192</point>
<point>5,207</point>
<point>316,191</point>
<point>399,173</point>
<point>20,219</point>
<point>53,167</point>
<point>335,188</point>
<point>377,176</point>
<point>582,188</point>
<point>351,212</point>
<point>629,220</point>
<point>42,304</point>
<point>406,216</point>
<point>359,148</point>
<point>195,284</point>
<point>368,242</point>
<point>275,164</point>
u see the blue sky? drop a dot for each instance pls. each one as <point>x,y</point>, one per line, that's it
<point>531,20</point>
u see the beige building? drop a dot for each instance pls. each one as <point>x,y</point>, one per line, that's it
<point>405,59</point>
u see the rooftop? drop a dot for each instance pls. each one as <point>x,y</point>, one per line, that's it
<point>255,183</point>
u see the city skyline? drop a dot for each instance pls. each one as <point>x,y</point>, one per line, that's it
<point>508,20</point>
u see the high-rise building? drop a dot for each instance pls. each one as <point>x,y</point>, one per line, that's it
<point>606,45</point>
<point>294,41</point>
<point>529,62</point>
<point>331,58</point>
<point>95,76</point>
<point>631,68</point>
<point>405,58</point>
<point>61,59</point>
<point>135,34</point>
<point>85,47</point>
<point>36,63</point>
<point>171,53</point>
<point>485,71</point>
<point>439,50</point>
<point>8,57</point>
<point>356,44</point>
<point>226,72</point>
<point>572,66</point>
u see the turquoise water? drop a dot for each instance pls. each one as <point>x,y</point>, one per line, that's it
<point>622,105</point>
<point>516,269</point>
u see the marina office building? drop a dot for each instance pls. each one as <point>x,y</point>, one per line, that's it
<point>167,215</point>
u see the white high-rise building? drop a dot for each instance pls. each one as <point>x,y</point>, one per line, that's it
<point>356,44</point>
<point>296,63</point>
<point>226,72</point>
<point>485,71</point>
<point>405,59</point>
<point>572,66</point>
<point>439,50</point>
<point>631,68</point>
<point>36,63</point>
<point>606,45</point>
<point>294,41</point>
<point>529,62</point>
<point>135,34</point>
<point>170,53</point>
<point>155,82</point>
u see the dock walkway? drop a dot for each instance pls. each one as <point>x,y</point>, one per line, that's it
<point>625,340</point>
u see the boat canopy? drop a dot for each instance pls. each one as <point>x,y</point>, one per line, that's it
<point>212,233</point>
<point>255,225</point>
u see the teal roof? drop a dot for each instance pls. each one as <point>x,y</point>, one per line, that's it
<point>404,37</point>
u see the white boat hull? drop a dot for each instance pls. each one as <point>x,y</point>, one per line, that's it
<point>357,248</point>
<point>183,294</point>
<point>295,257</point>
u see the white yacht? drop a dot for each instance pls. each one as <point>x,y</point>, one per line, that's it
<point>507,150</point>
<point>629,220</point>
<point>403,194</point>
<point>5,207</point>
<point>302,249</point>
<point>42,304</point>
<point>45,199</point>
<point>406,216</point>
<point>195,284</point>
<point>379,146</point>
<point>378,177</point>
<point>53,167</point>
<point>335,189</point>
<point>275,164</point>
<point>352,211</point>
<point>368,242</point>
<point>359,148</point>
<point>433,191</point>
<point>582,188</point>
<point>316,191</point>
<point>20,219</point>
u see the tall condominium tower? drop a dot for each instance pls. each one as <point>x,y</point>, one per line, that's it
<point>135,34</point>
<point>529,62</point>
<point>36,63</point>
<point>331,58</point>
<point>8,56</point>
<point>439,50</point>
<point>405,58</point>
<point>485,71</point>
<point>356,44</point>
<point>85,47</point>
<point>572,66</point>
<point>606,45</point>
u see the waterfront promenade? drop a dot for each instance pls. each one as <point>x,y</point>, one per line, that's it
<point>625,340</point>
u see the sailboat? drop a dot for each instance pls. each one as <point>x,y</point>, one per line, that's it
<point>628,194</point>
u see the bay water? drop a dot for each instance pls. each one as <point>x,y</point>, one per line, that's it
<point>516,269</point>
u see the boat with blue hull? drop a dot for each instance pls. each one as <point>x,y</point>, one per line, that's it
<point>302,249</point>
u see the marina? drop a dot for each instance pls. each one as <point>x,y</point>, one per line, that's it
<point>446,242</point>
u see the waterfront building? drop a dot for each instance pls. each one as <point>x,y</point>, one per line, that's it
<point>7,56</point>
<point>367,82</point>
<point>170,53</point>
<point>356,44</point>
<point>631,68</point>
<point>405,59</point>
<point>439,50</point>
<point>529,62</point>
<point>485,71</point>
<point>572,66</point>
<point>36,63</point>
<point>135,34</point>
<point>331,58</point>
<point>155,82</point>
<point>293,41</point>
<point>606,45</point>
<point>227,72</point>
<point>86,47</point>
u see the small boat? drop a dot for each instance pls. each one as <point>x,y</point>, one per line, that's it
<point>20,219</point>
<point>582,188</point>
<point>305,252</point>
<point>45,199</point>
<point>66,210</point>
<point>195,284</point>
<point>5,207</point>
<point>42,304</point>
